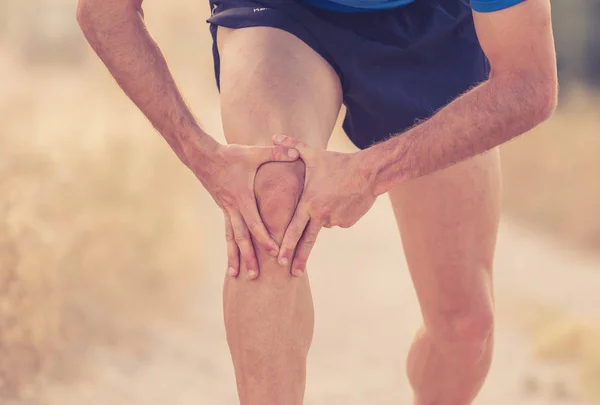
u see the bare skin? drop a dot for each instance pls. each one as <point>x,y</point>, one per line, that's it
<point>448,214</point>
<point>117,33</point>
<point>442,176</point>
<point>269,321</point>
<point>448,221</point>
<point>520,94</point>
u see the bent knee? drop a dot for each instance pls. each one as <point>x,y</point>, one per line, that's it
<point>278,187</point>
<point>466,332</point>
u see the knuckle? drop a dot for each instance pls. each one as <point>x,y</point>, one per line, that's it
<point>266,244</point>
<point>225,197</point>
<point>299,263</point>
<point>309,240</point>
<point>275,153</point>
<point>248,256</point>
<point>347,223</point>
<point>253,226</point>
<point>323,217</point>
<point>244,198</point>
<point>296,229</point>
<point>242,238</point>
<point>320,211</point>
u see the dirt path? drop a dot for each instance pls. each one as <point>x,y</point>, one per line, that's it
<point>362,334</point>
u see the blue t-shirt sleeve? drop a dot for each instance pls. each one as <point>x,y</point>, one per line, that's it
<point>487,6</point>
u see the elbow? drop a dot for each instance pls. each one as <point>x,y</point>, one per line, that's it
<point>545,99</point>
<point>535,96</point>
<point>89,12</point>
<point>83,14</point>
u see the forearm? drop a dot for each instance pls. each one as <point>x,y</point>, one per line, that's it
<point>117,33</point>
<point>487,116</point>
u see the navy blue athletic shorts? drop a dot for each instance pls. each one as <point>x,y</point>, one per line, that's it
<point>397,67</point>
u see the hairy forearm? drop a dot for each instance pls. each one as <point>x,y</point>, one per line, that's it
<point>117,33</point>
<point>481,119</point>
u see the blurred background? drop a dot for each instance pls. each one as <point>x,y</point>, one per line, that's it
<point>111,254</point>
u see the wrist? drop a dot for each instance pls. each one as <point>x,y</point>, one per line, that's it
<point>199,150</point>
<point>197,142</point>
<point>368,162</point>
<point>384,161</point>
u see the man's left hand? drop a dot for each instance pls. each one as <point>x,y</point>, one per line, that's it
<point>338,191</point>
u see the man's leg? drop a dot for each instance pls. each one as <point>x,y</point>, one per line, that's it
<point>448,222</point>
<point>272,83</point>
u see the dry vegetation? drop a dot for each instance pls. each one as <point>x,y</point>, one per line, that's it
<point>551,174</point>
<point>99,231</point>
<point>567,339</point>
<point>99,228</point>
<point>94,235</point>
<point>551,183</point>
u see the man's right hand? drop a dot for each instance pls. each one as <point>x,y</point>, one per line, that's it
<point>228,173</point>
<point>116,31</point>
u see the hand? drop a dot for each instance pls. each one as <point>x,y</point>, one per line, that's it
<point>228,172</point>
<point>338,191</point>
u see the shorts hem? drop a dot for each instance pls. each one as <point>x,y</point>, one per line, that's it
<point>246,17</point>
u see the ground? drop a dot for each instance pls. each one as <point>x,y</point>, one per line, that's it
<point>366,314</point>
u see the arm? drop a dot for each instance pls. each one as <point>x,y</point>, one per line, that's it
<point>115,29</point>
<point>520,94</point>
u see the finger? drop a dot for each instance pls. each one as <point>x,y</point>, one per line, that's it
<point>242,239</point>
<point>249,211</point>
<point>263,154</point>
<point>293,233</point>
<point>233,252</point>
<point>306,152</point>
<point>304,247</point>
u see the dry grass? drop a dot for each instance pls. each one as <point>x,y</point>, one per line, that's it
<point>98,230</point>
<point>551,183</point>
<point>569,340</point>
<point>93,243</point>
<point>99,223</point>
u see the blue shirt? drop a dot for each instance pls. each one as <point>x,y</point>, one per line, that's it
<point>482,6</point>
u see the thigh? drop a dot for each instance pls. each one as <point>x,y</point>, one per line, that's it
<point>449,221</point>
<point>271,82</point>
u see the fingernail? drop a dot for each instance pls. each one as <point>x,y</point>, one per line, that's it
<point>231,271</point>
<point>279,138</point>
<point>298,273</point>
<point>292,153</point>
<point>274,252</point>
<point>252,274</point>
<point>283,261</point>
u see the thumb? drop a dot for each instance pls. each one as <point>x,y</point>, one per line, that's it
<point>264,154</point>
<point>306,152</point>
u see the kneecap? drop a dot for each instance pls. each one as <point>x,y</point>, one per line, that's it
<point>278,187</point>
